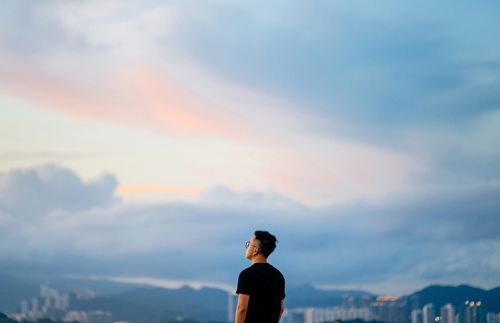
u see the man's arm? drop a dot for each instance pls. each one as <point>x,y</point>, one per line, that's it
<point>282,309</point>
<point>241,308</point>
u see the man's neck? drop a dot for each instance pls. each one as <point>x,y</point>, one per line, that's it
<point>259,260</point>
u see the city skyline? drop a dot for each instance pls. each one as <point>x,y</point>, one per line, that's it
<point>435,304</point>
<point>149,139</point>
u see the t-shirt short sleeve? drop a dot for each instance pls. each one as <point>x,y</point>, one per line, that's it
<point>244,283</point>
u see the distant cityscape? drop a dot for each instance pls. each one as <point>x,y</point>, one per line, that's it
<point>56,305</point>
<point>53,304</point>
<point>389,309</point>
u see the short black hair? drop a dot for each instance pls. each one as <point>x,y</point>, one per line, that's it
<point>267,242</point>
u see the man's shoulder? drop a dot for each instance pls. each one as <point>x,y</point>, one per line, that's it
<point>247,271</point>
<point>270,271</point>
<point>274,269</point>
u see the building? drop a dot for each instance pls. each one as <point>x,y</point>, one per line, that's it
<point>493,318</point>
<point>50,304</point>
<point>428,313</point>
<point>448,314</point>
<point>388,309</point>
<point>295,315</point>
<point>472,312</point>
<point>327,314</point>
<point>416,316</point>
<point>88,317</point>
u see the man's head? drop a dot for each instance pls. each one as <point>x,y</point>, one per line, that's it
<point>262,243</point>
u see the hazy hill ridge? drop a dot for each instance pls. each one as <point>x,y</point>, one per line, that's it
<point>153,304</point>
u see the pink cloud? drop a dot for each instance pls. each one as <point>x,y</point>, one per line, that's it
<point>138,97</point>
<point>166,105</point>
<point>338,173</point>
<point>296,163</point>
<point>157,189</point>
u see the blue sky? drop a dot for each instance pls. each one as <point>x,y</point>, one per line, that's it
<point>156,136</point>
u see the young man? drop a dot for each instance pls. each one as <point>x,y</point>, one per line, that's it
<point>261,287</point>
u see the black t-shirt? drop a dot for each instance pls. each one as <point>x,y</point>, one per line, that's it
<point>266,287</point>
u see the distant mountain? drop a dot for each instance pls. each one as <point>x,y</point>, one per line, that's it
<point>145,304</point>
<point>99,286</point>
<point>159,304</point>
<point>492,300</point>
<point>458,295</point>
<point>206,304</point>
<point>13,291</point>
<point>120,309</point>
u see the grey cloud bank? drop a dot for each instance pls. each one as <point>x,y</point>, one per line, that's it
<point>38,191</point>
<point>451,237</point>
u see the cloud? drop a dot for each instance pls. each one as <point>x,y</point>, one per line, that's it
<point>465,215</point>
<point>37,34</point>
<point>449,237</point>
<point>277,142</point>
<point>99,41</point>
<point>365,65</point>
<point>41,190</point>
<point>223,196</point>
<point>375,65</point>
<point>390,111</point>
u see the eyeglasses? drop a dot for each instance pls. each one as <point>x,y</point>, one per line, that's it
<point>247,244</point>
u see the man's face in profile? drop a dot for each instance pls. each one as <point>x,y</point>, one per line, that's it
<point>251,248</point>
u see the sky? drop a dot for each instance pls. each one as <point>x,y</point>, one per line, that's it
<point>148,140</point>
